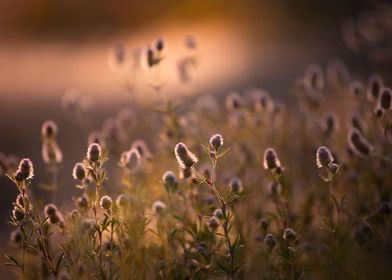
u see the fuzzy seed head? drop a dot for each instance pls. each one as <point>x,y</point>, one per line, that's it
<point>271,160</point>
<point>158,207</point>
<point>235,184</point>
<point>333,168</point>
<point>263,223</point>
<point>130,159</point>
<point>185,158</point>
<point>356,89</point>
<point>216,141</point>
<point>50,210</point>
<point>106,202</point>
<point>375,84</point>
<point>234,102</point>
<point>385,99</point>
<point>142,148</point>
<point>18,214</point>
<point>289,234</point>
<point>122,201</point>
<point>169,179</point>
<point>25,170</point>
<point>213,223</point>
<point>218,214</point>
<point>270,240</point>
<point>159,44</point>
<point>79,172</point>
<point>49,129</point>
<point>358,144</point>
<point>82,203</point>
<point>51,153</point>
<point>94,152</point>
<point>323,157</point>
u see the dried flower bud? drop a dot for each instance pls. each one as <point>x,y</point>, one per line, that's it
<point>358,144</point>
<point>106,202</point>
<point>25,170</point>
<point>184,157</point>
<point>49,129</point>
<point>213,223</point>
<point>323,157</point>
<point>142,148</point>
<point>216,141</point>
<point>289,234</point>
<point>271,160</point>
<point>79,172</point>
<point>94,152</point>
<point>385,99</point>
<point>330,124</point>
<point>270,241</point>
<point>158,207</point>
<point>235,184</point>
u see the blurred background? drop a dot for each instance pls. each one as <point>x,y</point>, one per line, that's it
<point>48,47</point>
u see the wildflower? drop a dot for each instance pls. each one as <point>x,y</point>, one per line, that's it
<point>358,144</point>
<point>314,77</point>
<point>122,201</point>
<point>385,208</point>
<point>234,102</point>
<point>213,223</point>
<point>142,148</point>
<point>25,170</point>
<point>184,157</point>
<point>271,160</point>
<point>363,233</point>
<point>170,181</point>
<point>323,157</point>
<point>357,122</point>
<point>158,207</point>
<point>94,152</point>
<point>51,153</point>
<point>374,86</point>
<point>262,101</point>
<point>216,141</point>
<point>356,89</point>
<point>150,57</point>
<point>50,210</point>
<point>235,184</point>
<point>16,236</point>
<point>289,234</point>
<point>385,99</point>
<point>330,123</point>
<point>79,172</point>
<point>130,159</point>
<point>205,170</point>
<point>270,241</point>
<point>82,203</point>
<point>218,214</point>
<point>49,129</point>
<point>18,214</point>
<point>159,44</point>
<point>264,223</point>
<point>106,202</point>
